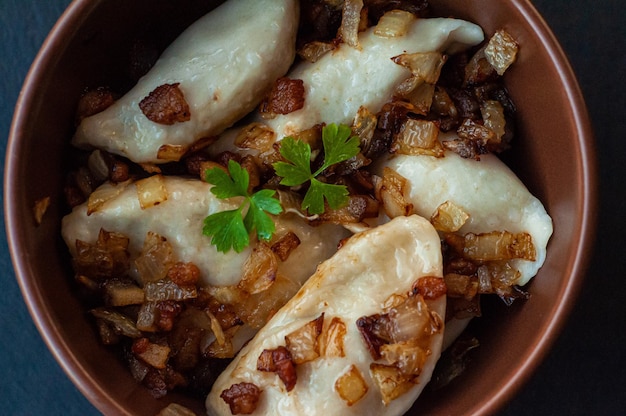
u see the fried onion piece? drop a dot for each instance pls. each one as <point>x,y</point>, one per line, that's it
<point>303,342</point>
<point>496,245</point>
<point>351,386</point>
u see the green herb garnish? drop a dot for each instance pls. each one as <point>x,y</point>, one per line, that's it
<point>231,229</point>
<point>338,147</point>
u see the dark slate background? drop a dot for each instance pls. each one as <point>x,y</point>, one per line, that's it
<point>584,374</point>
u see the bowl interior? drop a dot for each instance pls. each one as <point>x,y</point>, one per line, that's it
<point>90,46</point>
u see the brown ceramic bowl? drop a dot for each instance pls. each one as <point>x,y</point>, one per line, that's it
<point>553,155</point>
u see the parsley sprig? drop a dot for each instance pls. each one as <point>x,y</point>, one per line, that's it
<point>338,147</point>
<point>231,229</point>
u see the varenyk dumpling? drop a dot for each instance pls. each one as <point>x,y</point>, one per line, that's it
<point>362,335</point>
<point>220,81</point>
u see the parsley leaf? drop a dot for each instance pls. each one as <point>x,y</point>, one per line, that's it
<point>338,147</point>
<point>231,229</point>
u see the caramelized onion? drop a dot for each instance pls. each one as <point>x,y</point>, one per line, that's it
<point>104,193</point>
<point>424,65</point>
<point>391,382</point>
<point>392,190</point>
<point>302,343</point>
<point>350,21</point>
<point>501,51</point>
<point>351,386</point>
<point>120,323</point>
<point>168,290</point>
<point>155,259</point>
<point>151,191</point>
<point>449,217</point>
<point>394,23</point>
<point>417,137</point>
<point>259,270</point>
<point>331,341</point>
<point>314,50</point>
<point>496,245</point>
<point>256,136</point>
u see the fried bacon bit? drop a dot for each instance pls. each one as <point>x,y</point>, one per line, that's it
<point>303,342</point>
<point>184,274</point>
<point>331,340</point>
<point>358,208</point>
<point>286,96</point>
<point>430,287</point>
<point>351,386</point>
<point>94,102</point>
<point>242,398</point>
<point>477,132</point>
<point>167,311</point>
<point>152,354</point>
<point>279,361</point>
<point>285,245</point>
<point>166,105</point>
<point>465,148</point>
<point>40,208</point>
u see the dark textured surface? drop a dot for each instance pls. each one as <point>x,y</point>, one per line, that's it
<point>585,372</point>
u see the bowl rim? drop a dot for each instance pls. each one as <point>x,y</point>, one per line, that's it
<point>76,372</point>
<point>52,337</point>
<point>588,204</point>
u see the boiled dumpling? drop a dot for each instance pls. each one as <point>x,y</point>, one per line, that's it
<point>224,63</point>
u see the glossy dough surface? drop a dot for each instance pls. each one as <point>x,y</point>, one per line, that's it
<point>356,281</point>
<point>347,78</point>
<point>180,220</point>
<point>223,67</point>
<point>492,195</point>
